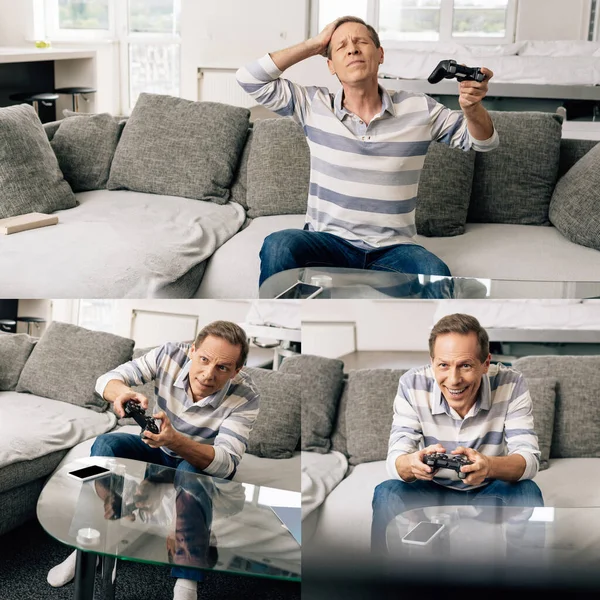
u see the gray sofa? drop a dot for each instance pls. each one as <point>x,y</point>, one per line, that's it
<point>345,431</point>
<point>157,232</point>
<point>50,415</point>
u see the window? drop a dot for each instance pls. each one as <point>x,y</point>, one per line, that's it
<point>473,21</point>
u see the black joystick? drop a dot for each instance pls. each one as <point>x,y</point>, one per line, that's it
<point>133,409</point>
<point>448,69</point>
<point>437,460</point>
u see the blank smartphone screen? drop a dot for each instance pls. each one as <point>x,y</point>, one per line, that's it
<point>422,532</point>
<point>300,291</point>
<point>86,472</point>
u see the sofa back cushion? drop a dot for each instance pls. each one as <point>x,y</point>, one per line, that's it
<point>177,147</point>
<point>514,183</point>
<point>571,151</point>
<point>277,429</point>
<point>66,362</point>
<point>322,380</point>
<point>577,416</point>
<point>370,412</point>
<point>240,179</point>
<point>15,349</point>
<point>30,178</point>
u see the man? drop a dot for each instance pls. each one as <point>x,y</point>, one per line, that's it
<point>206,407</point>
<point>367,151</point>
<point>459,404</point>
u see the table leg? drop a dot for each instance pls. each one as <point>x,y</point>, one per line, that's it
<point>85,573</point>
<point>109,576</point>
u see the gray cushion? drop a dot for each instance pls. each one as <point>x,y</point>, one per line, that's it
<point>514,183</point>
<point>444,191</point>
<point>66,362</point>
<point>322,380</point>
<point>240,181</point>
<point>177,147</point>
<point>84,146</point>
<point>577,412</point>
<point>370,412</point>
<point>51,128</point>
<point>278,169</point>
<point>575,205</point>
<point>15,349</point>
<point>339,441</point>
<point>543,398</point>
<point>277,429</point>
<point>30,179</point>
<point>571,151</point>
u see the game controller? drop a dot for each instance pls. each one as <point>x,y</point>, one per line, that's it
<point>134,410</point>
<point>437,460</point>
<point>448,69</point>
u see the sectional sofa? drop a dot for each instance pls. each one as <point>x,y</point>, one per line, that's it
<point>346,422</point>
<point>50,414</point>
<point>177,200</point>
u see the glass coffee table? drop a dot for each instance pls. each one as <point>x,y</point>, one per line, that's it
<point>153,514</point>
<point>340,283</point>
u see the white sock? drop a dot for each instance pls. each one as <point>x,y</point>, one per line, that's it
<point>64,572</point>
<point>185,589</point>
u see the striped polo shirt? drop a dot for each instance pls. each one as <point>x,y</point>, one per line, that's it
<point>363,178</point>
<point>223,420</point>
<point>498,424</point>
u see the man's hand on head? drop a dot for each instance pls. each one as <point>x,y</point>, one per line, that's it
<point>167,435</point>
<point>479,470</point>
<point>472,93</point>
<point>130,395</point>
<point>322,40</point>
<point>418,468</point>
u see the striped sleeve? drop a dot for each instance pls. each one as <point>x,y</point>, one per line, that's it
<point>519,433</point>
<point>135,372</point>
<point>407,433</point>
<point>261,80</point>
<point>232,440</point>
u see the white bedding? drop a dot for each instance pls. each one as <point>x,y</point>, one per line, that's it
<point>31,426</point>
<point>118,244</point>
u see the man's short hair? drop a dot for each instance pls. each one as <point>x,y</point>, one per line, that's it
<point>350,19</point>
<point>463,324</point>
<point>228,331</point>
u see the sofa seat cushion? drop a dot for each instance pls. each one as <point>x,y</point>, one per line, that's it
<point>570,482</point>
<point>22,473</point>
<point>32,427</point>
<point>234,270</point>
<point>321,473</point>
<point>118,245</point>
<point>521,252</point>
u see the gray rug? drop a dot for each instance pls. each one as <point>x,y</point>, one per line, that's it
<point>28,553</point>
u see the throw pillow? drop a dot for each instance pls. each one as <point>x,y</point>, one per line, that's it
<point>322,380</point>
<point>51,128</point>
<point>30,179</point>
<point>575,204</point>
<point>444,191</point>
<point>339,441</point>
<point>67,361</point>
<point>277,428</point>
<point>240,181</point>
<point>543,398</point>
<point>370,412</point>
<point>15,349</point>
<point>84,146</point>
<point>178,147</point>
<point>514,182</point>
<point>278,169</point>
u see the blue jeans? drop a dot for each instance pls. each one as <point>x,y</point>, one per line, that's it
<point>393,497</point>
<point>127,445</point>
<point>295,248</point>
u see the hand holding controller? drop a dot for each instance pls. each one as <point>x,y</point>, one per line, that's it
<point>449,69</point>
<point>438,460</point>
<point>134,410</point>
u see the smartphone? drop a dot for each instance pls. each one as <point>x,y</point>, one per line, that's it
<point>88,473</point>
<point>300,291</point>
<point>423,533</point>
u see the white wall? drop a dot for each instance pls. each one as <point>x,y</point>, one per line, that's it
<point>16,22</point>
<point>553,19</point>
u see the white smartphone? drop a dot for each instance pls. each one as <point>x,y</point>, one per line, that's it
<point>300,291</point>
<point>89,473</point>
<point>423,533</point>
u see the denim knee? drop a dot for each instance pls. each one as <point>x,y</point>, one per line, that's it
<point>103,445</point>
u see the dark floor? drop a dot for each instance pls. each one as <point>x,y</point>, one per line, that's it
<point>28,553</point>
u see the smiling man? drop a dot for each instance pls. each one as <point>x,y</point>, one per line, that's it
<point>206,407</point>
<point>367,149</point>
<point>459,405</point>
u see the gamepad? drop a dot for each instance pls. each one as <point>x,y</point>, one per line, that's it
<point>448,69</point>
<point>133,409</point>
<point>437,460</point>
